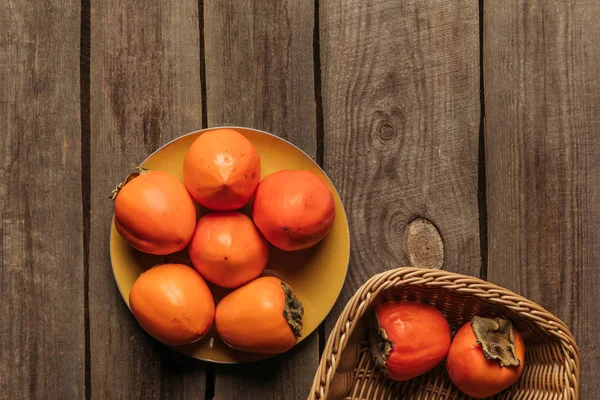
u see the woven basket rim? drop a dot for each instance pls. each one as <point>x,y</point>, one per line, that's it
<point>358,305</point>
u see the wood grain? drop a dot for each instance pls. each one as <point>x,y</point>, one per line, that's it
<point>145,91</point>
<point>259,74</point>
<point>542,143</point>
<point>42,335</point>
<point>259,67</point>
<point>400,87</point>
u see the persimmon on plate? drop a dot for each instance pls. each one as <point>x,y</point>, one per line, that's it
<point>227,249</point>
<point>316,274</point>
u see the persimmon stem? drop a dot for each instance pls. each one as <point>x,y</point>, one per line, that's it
<point>380,344</point>
<point>139,170</point>
<point>293,310</point>
<point>497,339</point>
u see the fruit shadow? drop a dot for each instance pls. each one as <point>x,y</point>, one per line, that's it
<point>285,264</point>
<point>271,369</point>
<point>147,261</point>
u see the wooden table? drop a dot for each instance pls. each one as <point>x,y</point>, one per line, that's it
<point>475,121</point>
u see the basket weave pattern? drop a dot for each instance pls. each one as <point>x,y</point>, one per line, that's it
<point>347,371</point>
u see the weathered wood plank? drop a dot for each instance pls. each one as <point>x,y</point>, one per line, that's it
<point>145,91</point>
<point>259,74</point>
<point>259,67</point>
<point>400,87</point>
<point>542,141</point>
<point>42,334</point>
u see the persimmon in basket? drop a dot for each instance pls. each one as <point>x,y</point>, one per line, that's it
<point>154,212</point>
<point>294,210</point>
<point>221,170</point>
<point>486,357</point>
<point>408,338</point>
<point>263,316</point>
<point>227,249</point>
<point>173,304</point>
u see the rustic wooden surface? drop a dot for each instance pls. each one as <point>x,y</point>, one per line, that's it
<point>542,141</point>
<point>385,94</point>
<point>145,91</point>
<point>42,343</point>
<point>260,74</point>
<point>401,121</point>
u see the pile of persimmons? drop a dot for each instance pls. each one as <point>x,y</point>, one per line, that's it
<point>155,213</point>
<point>484,357</point>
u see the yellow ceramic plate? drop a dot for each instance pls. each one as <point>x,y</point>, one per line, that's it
<point>316,274</point>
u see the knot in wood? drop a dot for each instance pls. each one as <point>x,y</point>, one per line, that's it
<point>423,244</point>
<point>385,125</point>
<point>386,132</point>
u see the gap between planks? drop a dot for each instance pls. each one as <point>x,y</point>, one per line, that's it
<point>320,129</point>
<point>84,104</point>
<point>481,172</point>
<point>209,392</point>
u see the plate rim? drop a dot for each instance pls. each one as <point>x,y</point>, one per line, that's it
<point>347,263</point>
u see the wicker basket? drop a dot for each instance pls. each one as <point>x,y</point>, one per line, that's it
<point>347,371</point>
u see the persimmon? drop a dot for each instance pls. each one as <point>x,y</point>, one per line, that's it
<point>294,210</point>
<point>227,249</point>
<point>486,357</point>
<point>263,316</point>
<point>221,170</point>
<point>154,212</point>
<point>173,304</point>
<point>408,338</point>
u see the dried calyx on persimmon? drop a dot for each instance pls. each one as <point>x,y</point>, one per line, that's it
<point>263,316</point>
<point>486,357</point>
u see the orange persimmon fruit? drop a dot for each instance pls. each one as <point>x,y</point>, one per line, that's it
<point>408,339</point>
<point>154,212</point>
<point>486,357</point>
<point>173,304</point>
<point>263,317</point>
<point>221,170</point>
<point>294,210</point>
<point>227,249</point>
